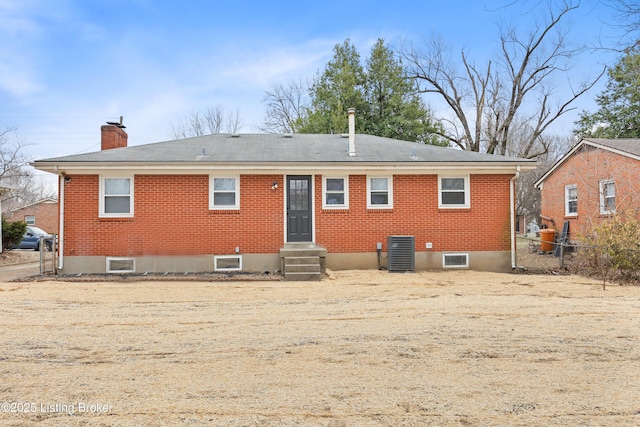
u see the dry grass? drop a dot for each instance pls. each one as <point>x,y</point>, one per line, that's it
<point>361,348</point>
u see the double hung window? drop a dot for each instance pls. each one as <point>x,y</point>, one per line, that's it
<point>607,197</point>
<point>224,192</point>
<point>116,196</point>
<point>335,193</point>
<point>379,192</point>
<point>453,191</point>
<point>571,200</point>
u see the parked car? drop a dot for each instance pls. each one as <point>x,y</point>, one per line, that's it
<point>31,239</point>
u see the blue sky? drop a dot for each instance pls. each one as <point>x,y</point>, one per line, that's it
<point>67,66</point>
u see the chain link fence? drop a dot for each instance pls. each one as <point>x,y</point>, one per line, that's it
<point>48,254</point>
<point>537,256</point>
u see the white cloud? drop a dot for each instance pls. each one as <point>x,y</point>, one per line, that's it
<point>18,77</point>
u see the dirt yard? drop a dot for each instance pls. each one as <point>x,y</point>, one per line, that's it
<point>357,349</point>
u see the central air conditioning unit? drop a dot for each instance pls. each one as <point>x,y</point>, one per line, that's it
<point>401,255</point>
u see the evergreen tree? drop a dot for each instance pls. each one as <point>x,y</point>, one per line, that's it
<point>395,108</point>
<point>619,112</point>
<point>338,88</point>
<point>387,103</point>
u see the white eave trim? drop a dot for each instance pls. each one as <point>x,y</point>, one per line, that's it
<point>269,168</point>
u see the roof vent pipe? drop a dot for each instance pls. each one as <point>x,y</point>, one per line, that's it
<point>352,131</point>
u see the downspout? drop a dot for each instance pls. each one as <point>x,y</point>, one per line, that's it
<point>62,180</point>
<point>512,231</point>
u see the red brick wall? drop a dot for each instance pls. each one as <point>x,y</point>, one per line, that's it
<point>586,169</point>
<point>46,216</point>
<point>172,217</point>
<point>483,227</point>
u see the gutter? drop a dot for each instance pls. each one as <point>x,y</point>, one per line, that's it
<point>512,201</point>
<point>289,167</point>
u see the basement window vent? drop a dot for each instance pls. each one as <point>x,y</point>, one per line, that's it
<point>455,260</point>
<point>121,265</point>
<point>227,263</point>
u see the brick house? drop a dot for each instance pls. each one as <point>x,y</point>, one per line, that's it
<point>241,202</point>
<point>42,214</point>
<point>594,180</point>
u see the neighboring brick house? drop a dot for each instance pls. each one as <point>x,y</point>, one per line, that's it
<point>239,202</point>
<point>594,180</point>
<point>42,214</point>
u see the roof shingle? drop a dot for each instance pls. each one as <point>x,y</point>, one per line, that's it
<point>273,148</point>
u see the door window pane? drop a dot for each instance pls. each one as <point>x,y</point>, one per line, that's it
<point>299,194</point>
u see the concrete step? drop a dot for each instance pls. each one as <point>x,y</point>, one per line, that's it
<point>302,268</point>
<point>301,276</point>
<point>298,252</point>
<point>302,261</point>
<point>291,260</point>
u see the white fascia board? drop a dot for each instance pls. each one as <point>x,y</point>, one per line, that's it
<point>199,168</point>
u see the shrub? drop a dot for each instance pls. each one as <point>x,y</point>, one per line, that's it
<point>12,233</point>
<point>610,250</point>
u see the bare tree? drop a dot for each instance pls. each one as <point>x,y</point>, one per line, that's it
<point>627,18</point>
<point>528,197</point>
<point>286,107</point>
<point>212,121</point>
<point>17,174</point>
<point>488,102</point>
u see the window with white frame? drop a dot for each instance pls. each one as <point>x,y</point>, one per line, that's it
<point>453,191</point>
<point>379,192</point>
<point>571,200</point>
<point>455,260</point>
<point>121,265</point>
<point>116,196</point>
<point>30,219</point>
<point>335,192</point>
<point>224,192</point>
<point>607,196</point>
<point>227,262</point>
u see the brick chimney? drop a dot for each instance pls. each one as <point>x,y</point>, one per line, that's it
<point>113,135</point>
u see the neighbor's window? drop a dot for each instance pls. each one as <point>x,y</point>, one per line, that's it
<point>224,192</point>
<point>453,191</point>
<point>571,200</point>
<point>30,219</point>
<point>455,260</point>
<point>379,192</point>
<point>227,262</point>
<point>607,196</point>
<point>116,196</point>
<point>336,193</point>
<point>121,265</point>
